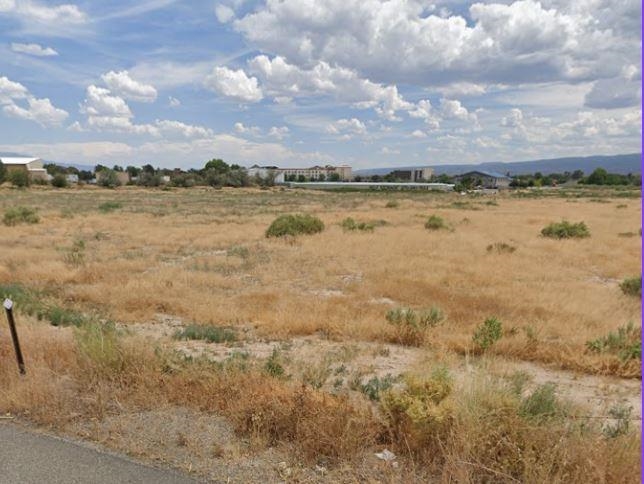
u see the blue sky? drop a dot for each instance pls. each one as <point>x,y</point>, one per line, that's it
<point>296,82</point>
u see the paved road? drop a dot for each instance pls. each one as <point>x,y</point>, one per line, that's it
<point>32,458</point>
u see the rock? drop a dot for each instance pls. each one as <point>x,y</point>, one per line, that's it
<point>386,455</point>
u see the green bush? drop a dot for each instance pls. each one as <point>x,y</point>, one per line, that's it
<point>298,224</point>
<point>351,225</point>
<point>435,222</point>
<point>541,403</point>
<point>59,181</point>
<point>565,230</point>
<point>18,178</point>
<point>374,388</point>
<point>626,343</point>
<point>411,325</point>
<point>19,215</point>
<point>632,286</point>
<point>488,333</point>
<point>211,334</point>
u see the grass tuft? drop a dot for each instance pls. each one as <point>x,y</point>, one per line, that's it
<point>434,222</point>
<point>20,215</point>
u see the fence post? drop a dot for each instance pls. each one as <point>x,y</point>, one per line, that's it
<point>8,306</point>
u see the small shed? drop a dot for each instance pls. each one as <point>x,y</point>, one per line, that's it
<point>32,166</point>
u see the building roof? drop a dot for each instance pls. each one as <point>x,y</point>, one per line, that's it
<point>17,161</point>
<point>492,174</point>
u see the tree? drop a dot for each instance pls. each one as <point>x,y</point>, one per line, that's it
<point>301,178</point>
<point>133,171</point>
<point>597,177</point>
<point>322,177</point>
<point>85,175</point>
<point>107,178</point>
<point>577,175</point>
<point>334,177</point>
<point>218,165</point>
<point>117,168</point>
<point>59,181</point>
<point>3,172</point>
<point>148,169</point>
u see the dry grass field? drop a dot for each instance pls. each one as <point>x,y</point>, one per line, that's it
<point>304,371</point>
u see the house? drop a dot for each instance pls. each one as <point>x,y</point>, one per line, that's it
<point>484,179</point>
<point>413,175</point>
<point>32,166</point>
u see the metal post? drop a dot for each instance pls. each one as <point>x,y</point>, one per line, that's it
<point>8,306</point>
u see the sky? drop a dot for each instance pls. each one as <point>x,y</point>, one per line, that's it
<point>368,83</point>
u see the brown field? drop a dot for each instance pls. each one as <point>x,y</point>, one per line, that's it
<point>314,307</point>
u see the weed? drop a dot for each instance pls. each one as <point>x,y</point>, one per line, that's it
<point>375,386</point>
<point>632,286</point>
<point>211,334</point>
<point>108,207</point>
<point>626,343</point>
<point>293,225</point>
<point>411,325</point>
<point>238,251</point>
<point>100,351</point>
<point>541,403</point>
<point>317,375</point>
<point>566,230</point>
<point>434,222</point>
<point>273,364</point>
<point>622,205</point>
<point>20,215</point>
<point>488,333</point>
<point>75,255</point>
<point>622,415</point>
<point>501,248</point>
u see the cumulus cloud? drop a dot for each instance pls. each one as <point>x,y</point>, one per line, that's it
<point>234,84</point>
<point>347,128</point>
<point>240,128</point>
<point>36,50</point>
<point>278,132</point>
<point>403,40</point>
<point>122,84</point>
<point>284,80</point>
<point>42,111</point>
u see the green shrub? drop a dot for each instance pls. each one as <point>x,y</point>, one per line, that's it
<point>488,333</point>
<point>434,222</point>
<point>59,181</point>
<point>211,334</point>
<point>632,286</point>
<point>376,386</point>
<point>298,224</point>
<point>351,225</point>
<point>107,207</point>
<point>541,403</point>
<point>566,230</point>
<point>411,325</point>
<point>501,248</point>
<point>392,204</point>
<point>421,413</point>
<point>274,366</point>
<point>108,178</point>
<point>18,215</point>
<point>18,178</point>
<point>626,343</point>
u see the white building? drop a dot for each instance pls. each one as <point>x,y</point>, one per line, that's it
<point>265,172</point>
<point>32,166</point>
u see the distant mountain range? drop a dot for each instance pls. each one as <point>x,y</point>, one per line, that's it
<point>623,164</point>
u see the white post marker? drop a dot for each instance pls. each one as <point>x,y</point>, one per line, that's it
<point>8,304</point>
